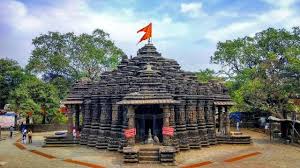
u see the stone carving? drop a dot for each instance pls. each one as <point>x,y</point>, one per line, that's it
<point>109,104</point>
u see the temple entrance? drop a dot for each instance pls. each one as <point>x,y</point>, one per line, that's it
<point>148,117</point>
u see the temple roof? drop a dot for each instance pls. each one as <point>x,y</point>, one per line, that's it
<point>149,78</point>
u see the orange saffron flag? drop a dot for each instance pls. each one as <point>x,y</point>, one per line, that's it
<point>148,32</point>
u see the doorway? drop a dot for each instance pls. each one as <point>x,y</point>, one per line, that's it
<point>148,117</point>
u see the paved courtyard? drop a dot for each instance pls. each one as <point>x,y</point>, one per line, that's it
<point>261,154</point>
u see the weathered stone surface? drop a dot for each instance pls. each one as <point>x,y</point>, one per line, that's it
<point>186,105</point>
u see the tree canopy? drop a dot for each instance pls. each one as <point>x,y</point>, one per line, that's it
<point>208,75</point>
<point>36,98</point>
<point>11,75</point>
<point>64,58</point>
<point>57,61</point>
<point>27,94</point>
<point>263,70</point>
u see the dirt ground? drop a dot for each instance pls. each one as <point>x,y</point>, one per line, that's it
<point>261,154</point>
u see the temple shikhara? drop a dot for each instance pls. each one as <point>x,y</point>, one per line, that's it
<point>148,99</point>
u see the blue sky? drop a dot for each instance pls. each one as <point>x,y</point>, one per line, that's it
<point>186,30</point>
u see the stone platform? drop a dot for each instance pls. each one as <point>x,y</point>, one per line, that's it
<point>60,141</point>
<point>234,138</point>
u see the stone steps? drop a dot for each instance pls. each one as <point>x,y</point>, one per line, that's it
<point>130,155</point>
<point>167,155</point>
<point>60,141</point>
<point>149,158</point>
<point>149,149</point>
<point>59,145</point>
<point>149,162</point>
<point>237,139</point>
<point>149,155</point>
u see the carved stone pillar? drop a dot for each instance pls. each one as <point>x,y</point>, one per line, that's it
<point>70,119</point>
<point>105,121</point>
<point>172,124</point>
<point>227,121</point>
<point>222,119</point>
<point>82,111</point>
<point>217,121</point>
<point>202,123</point>
<point>95,122</point>
<point>172,116</point>
<point>131,123</point>
<point>181,132</point>
<point>123,140</point>
<point>192,126</point>
<point>217,108</point>
<point>166,123</point>
<point>86,123</point>
<point>114,136</point>
<point>210,125</point>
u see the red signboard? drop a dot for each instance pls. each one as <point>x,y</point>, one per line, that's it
<point>129,133</point>
<point>168,131</point>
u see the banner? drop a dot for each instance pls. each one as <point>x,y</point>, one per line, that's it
<point>7,121</point>
<point>129,133</point>
<point>168,131</point>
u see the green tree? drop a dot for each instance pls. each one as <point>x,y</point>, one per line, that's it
<point>37,98</point>
<point>208,75</point>
<point>64,58</point>
<point>11,75</point>
<point>263,70</point>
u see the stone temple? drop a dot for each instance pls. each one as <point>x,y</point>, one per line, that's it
<point>148,95</point>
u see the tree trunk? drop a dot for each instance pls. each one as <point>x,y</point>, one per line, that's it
<point>44,119</point>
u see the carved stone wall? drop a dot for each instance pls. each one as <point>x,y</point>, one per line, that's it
<point>189,110</point>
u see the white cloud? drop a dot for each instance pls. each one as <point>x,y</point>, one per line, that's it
<point>280,3</point>
<point>192,9</point>
<point>280,17</point>
<point>26,23</point>
<point>77,16</point>
<point>174,38</point>
<point>227,14</point>
<point>16,13</point>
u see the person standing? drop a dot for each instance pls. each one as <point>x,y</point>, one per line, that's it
<point>266,127</point>
<point>11,130</point>
<point>238,126</point>
<point>24,132</point>
<point>29,136</point>
<point>74,133</point>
